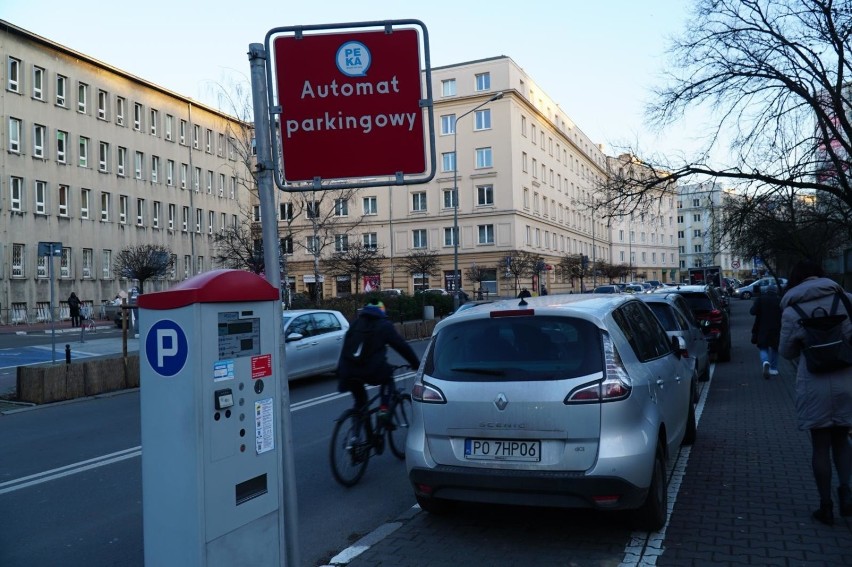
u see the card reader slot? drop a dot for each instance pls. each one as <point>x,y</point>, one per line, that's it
<point>251,488</point>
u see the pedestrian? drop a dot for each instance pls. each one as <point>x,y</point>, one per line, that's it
<point>480,293</point>
<point>524,293</point>
<point>543,290</point>
<point>823,401</point>
<point>74,307</point>
<point>766,331</point>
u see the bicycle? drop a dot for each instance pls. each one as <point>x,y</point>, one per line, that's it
<point>351,448</point>
<point>87,323</point>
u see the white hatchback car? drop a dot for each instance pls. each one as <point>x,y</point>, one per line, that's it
<point>313,339</point>
<point>565,400</point>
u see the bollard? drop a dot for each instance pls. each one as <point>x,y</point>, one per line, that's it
<point>67,354</point>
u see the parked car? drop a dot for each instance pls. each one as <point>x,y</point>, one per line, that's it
<point>654,283</point>
<point>607,289</point>
<point>568,400</point>
<point>674,314</point>
<point>707,307</point>
<point>435,290</point>
<point>313,339</point>
<point>634,288</point>
<point>392,291</point>
<point>758,286</point>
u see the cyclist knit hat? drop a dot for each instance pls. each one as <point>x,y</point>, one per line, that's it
<point>376,304</point>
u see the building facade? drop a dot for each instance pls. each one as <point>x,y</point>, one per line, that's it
<point>98,160</point>
<point>525,174</point>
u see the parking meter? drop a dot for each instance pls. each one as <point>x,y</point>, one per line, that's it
<point>211,439</point>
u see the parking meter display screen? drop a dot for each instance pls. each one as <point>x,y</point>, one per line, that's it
<point>238,336</point>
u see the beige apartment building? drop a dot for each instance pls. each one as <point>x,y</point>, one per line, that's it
<point>98,160</point>
<point>526,177</point>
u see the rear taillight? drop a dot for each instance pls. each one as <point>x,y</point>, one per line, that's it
<point>427,393</point>
<point>714,316</point>
<point>616,384</point>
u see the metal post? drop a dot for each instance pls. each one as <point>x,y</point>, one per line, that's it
<point>288,540</point>
<point>52,301</point>
<point>456,198</point>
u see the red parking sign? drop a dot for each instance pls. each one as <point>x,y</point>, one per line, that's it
<point>350,104</point>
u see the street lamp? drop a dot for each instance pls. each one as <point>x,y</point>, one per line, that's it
<point>497,96</point>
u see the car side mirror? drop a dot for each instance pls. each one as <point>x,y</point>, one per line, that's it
<point>294,337</point>
<point>679,346</point>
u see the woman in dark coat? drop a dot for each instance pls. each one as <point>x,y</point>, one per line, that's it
<point>823,401</point>
<point>74,308</point>
<point>766,331</point>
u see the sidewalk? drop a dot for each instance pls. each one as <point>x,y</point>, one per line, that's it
<point>745,497</point>
<point>46,328</point>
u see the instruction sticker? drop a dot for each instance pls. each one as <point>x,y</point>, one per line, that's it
<point>223,370</point>
<point>261,366</point>
<point>264,426</point>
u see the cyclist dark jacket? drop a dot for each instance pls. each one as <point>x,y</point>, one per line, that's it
<point>375,369</point>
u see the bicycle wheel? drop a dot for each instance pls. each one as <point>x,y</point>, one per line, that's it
<point>350,449</point>
<point>399,424</point>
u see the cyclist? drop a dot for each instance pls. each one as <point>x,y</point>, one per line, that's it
<point>363,358</point>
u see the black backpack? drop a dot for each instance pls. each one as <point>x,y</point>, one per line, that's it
<point>362,340</point>
<point>825,347</point>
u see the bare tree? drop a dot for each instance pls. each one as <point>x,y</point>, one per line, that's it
<point>240,247</point>
<point>421,262</point>
<point>775,74</point>
<point>356,259</point>
<point>521,263</point>
<point>143,262</point>
<point>476,274</point>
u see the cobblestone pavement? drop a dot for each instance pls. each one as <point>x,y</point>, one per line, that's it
<point>744,496</point>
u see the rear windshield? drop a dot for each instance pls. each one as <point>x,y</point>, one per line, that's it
<point>516,348</point>
<point>665,315</point>
<point>698,301</point>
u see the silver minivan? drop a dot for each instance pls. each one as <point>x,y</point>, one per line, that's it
<point>565,400</point>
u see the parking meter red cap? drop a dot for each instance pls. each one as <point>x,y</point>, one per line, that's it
<point>215,286</point>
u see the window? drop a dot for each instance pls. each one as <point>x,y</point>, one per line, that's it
<point>84,152</point>
<point>484,158</point>
<point>696,202</point>
<point>40,191</point>
<point>85,194</point>
<point>137,116</point>
<point>61,85</point>
<point>61,146</point>
<point>451,199</point>
<point>170,172</point>
<point>285,211</point>
<point>196,178</point>
<point>155,221</point>
<point>221,186</point>
<point>187,266</point>
<point>183,173</point>
<point>120,105</point>
<point>39,133</point>
<point>312,245</point>
<point>82,98</point>
<point>63,200</point>
<point>138,159</point>
<point>171,219</point>
<point>106,264</point>
<point>182,133</point>
<point>418,201</point>
<point>486,234</point>
<point>485,195</point>
<point>103,156</point>
<point>211,221</point>
<point>696,233</point>
<point>448,87</point>
<point>122,209</point>
<point>155,120</point>
<point>286,245</point>
<point>13,79</point>
<point>15,135</point>
<point>233,187</point>
<point>103,97</point>
<point>418,238</point>
<point>450,236</point>
<point>169,126</point>
<point>696,217</point>
<point>122,160</point>
<point>18,261</point>
<point>220,148</point>
<point>196,135</point>
<point>341,242</point>
<point>38,83</point>
<point>184,220</point>
<point>448,161</point>
<point>448,124</point>
<point>697,248</point>
<point>371,241</point>
<point>370,207</point>
<point>208,141</point>
<point>312,209</point>
<point>483,81</point>
<point>341,207</point>
<point>482,119</point>
<point>140,212</point>
<point>87,263</point>
<point>105,199</point>
<point>198,220</point>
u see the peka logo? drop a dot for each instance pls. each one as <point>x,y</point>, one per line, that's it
<point>353,59</point>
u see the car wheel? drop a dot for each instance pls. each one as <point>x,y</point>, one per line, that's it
<point>433,505</point>
<point>652,515</point>
<point>745,295</point>
<point>691,427</point>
